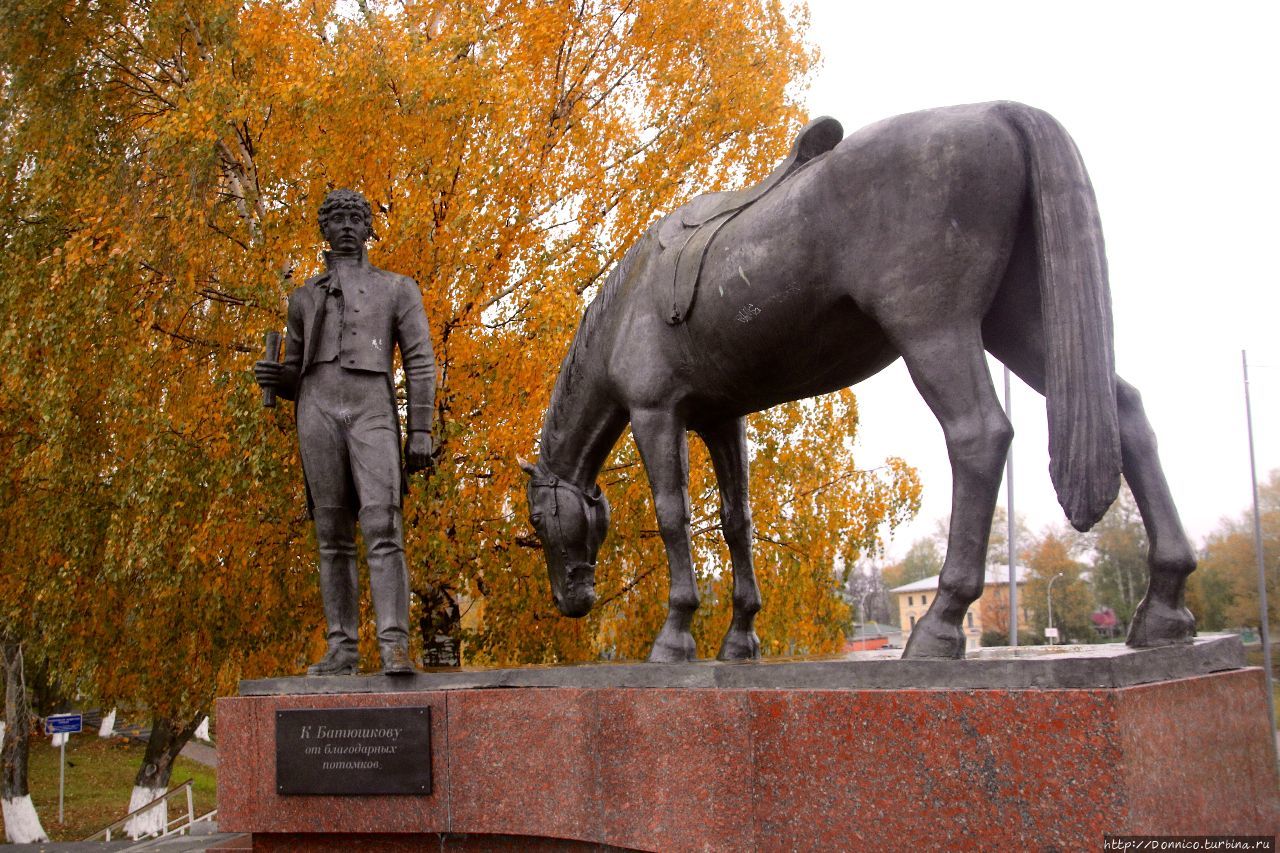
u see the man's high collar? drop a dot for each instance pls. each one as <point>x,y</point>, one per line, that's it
<point>332,260</point>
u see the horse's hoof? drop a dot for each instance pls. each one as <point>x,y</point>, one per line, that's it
<point>673,650</point>
<point>933,639</point>
<point>1156,624</point>
<point>740,645</point>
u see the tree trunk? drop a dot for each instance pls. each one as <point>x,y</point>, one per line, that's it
<point>168,737</point>
<point>107,727</point>
<point>21,823</point>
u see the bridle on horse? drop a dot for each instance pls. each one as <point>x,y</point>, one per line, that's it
<point>543,478</point>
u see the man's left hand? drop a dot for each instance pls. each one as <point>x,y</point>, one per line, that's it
<point>417,453</point>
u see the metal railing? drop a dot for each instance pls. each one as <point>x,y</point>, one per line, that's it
<point>171,827</point>
<point>188,827</point>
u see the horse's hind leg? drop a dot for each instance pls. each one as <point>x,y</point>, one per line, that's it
<point>664,447</point>
<point>950,371</point>
<point>727,443</point>
<point>1013,335</point>
<point>1161,618</point>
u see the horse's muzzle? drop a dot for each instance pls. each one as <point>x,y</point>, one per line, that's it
<point>579,594</point>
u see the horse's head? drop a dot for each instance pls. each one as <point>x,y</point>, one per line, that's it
<point>571,523</point>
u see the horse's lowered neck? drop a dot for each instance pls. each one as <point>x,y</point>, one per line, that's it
<point>581,428</point>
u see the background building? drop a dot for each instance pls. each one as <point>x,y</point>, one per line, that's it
<point>990,613</point>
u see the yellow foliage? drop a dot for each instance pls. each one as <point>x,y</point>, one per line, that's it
<point>162,167</point>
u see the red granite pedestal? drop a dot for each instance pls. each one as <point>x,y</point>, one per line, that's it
<point>801,768</point>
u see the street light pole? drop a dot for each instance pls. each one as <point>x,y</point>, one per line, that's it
<point>1050,597</point>
<point>1013,552</point>
<point>862,611</point>
<point>1264,627</point>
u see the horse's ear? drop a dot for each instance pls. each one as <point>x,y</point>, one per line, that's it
<point>526,466</point>
<point>603,508</point>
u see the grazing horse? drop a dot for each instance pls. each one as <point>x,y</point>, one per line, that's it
<point>930,237</point>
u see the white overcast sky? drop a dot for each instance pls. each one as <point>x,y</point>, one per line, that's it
<point>1174,108</point>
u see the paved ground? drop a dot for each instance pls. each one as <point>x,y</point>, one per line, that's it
<point>71,846</point>
<point>201,752</point>
<point>196,750</point>
<point>225,841</point>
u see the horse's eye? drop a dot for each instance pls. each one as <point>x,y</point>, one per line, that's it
<point>535,518</point>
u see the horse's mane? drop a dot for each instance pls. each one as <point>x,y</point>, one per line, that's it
<point>588,329</point>
<point>600,306</point>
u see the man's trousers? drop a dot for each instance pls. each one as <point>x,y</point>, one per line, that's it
<point>347,431</point>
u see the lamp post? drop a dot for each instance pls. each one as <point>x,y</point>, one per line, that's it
<point>1050,597</point>
<point>1013,551</point>
<point>1263,619</point>
<point>862,611</point>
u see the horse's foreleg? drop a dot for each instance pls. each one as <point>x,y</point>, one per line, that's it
<point>727,443</point>
<point>1161,618</point>
<point>951,374</point>
<point>664,448</point>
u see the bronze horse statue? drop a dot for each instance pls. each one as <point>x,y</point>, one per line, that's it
<point>930,237</point>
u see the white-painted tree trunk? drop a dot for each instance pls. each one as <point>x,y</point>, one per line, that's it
<point>1,730</point>
<point>108,726</point>
<point>202,731</point>
<point>150,822</point>
<point>21,823</point>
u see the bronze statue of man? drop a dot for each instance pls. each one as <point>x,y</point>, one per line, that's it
<point>343,326</point>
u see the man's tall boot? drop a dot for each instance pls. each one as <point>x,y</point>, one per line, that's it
<point>389,582</point>
<point>339,590</point>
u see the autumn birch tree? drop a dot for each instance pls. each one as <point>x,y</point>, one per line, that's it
<point>1120,558</point>
<point>1223,592</point>
<point>1051,556</point>
<point>162,165</point>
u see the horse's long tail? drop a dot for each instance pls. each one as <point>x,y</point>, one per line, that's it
<point>1084,433</point>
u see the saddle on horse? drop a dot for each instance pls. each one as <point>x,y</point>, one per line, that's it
<point>686,233</point>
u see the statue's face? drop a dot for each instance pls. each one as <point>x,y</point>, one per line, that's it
<point>571,525</point>
<point>346,230</point>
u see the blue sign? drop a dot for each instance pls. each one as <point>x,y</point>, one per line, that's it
<point>55,724</point>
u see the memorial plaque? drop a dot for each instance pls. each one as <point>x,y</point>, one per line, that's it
<point>352,751</point>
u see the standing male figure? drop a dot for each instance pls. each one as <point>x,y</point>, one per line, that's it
<point>343,326</point>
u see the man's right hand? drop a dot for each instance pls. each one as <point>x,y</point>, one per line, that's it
<point>269,374</point>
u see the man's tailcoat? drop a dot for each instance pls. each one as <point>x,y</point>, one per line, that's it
<point>380,311</point>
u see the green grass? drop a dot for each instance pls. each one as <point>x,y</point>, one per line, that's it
<point>98,783</point>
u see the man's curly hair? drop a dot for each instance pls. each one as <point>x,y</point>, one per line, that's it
<point>344,200</point>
